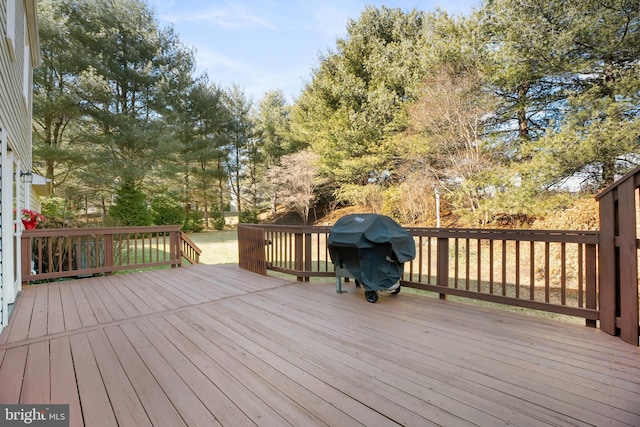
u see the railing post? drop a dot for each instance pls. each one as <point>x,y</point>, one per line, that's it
<point>176,250</point>
<point>618,258</point>
<point>109,252</point>
<point>607,264</point>
<point>442,278</point>
<point>628,267</point>
<point>591,282</point>
<point>251,249</point>
<point>307,254</point>
<point>299,254</point>
<point>25,257</point>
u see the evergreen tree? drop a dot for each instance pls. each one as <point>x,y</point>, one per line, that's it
<point>568,76</point>
<point>273,138</point>
<point>57,117</point>
<point>354,100</point>
<point>239,139</point>
<point>130,207</point>
<point>200,126</point>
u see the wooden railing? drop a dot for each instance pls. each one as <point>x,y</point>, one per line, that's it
<point>553,271</point>
<point>619,206</point>
<point>300,251</point>
<point>189,250</point>
<point>78,252</point>
<point>251,244</point>
<point>594,275</point>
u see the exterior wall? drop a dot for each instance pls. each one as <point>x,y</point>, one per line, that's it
<point>19,53</point>
<point>40,187</point>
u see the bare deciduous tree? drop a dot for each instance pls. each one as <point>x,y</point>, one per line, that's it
<point>450,117</point>
<point>295,181</point>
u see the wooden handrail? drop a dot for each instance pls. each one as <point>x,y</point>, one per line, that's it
<point>77,252</point>
<point>189,250</point>
<point>513,267</point>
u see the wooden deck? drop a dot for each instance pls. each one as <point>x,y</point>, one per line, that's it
<point>215,345</point>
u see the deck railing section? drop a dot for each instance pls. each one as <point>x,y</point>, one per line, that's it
<point>620,257</point>
<point>553,271</point>
<point>251,244</point>
<point>77,252</point>
<point>301,251</point>
<point>189,250</point>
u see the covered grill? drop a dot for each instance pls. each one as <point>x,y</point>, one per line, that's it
<point>372,249</point>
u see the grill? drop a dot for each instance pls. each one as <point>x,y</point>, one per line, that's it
<point>371,249</point>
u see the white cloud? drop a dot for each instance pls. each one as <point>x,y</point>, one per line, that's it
<point>231,16</point>
<point>264,45</point>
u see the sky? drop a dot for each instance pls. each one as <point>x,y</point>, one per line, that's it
<point>265,45</point>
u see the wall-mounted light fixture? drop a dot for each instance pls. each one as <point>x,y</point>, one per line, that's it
<point>26,176</point>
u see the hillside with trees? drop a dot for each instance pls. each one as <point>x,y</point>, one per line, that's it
<point>509,115</point>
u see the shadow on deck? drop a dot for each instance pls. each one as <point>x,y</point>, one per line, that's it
<point>216,345</point>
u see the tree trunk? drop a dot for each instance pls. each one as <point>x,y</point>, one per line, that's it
<point>221,188</point>
<point>608,172</point>
<point>274,200</point>
<point>523,125</point>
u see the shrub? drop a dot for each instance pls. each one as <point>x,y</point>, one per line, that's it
<point>248,217</point>
<point>217,220</point>
<point>167,211</point>
<point>56,212</point>
<point>130,208</point>
<point>193,222</point>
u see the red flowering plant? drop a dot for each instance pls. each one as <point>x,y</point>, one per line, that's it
<point>30,218</point>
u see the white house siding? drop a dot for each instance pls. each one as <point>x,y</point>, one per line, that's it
<point>19,53</point>
<point>40,187</point>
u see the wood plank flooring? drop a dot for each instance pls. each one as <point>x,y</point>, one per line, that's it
<point>218,346</point>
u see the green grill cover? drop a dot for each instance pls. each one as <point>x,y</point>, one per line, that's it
<point>372,248</point>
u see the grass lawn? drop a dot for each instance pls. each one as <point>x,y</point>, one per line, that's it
<point>218,247</point>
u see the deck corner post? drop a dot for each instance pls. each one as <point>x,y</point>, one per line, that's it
<point>176,244</point>
<point>618,258</point>
<point>442,275</point>
<point>26,249</point>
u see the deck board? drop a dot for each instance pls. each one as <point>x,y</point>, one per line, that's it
<point>94,400</point>
<point>153,398</point>
<point>191,409</point>
<point>85,311</point>
<point>328,396</point>
<point>273,371</point>
<point>64,388</point>
<point>246,381</point>
<point>515,366</point>
<point>36,382</point>
<point>126,405</point>
<point>98,307</point>
<point>54,307</point>
<point>12,373</point>
<point>133,303</point>
<point>39,317</point>
<point>407,399</point>
<point>220,405</point>
<point>377,355</point>
<point>257,410</point>
<point>18,328</point>
<point>215,345</point>
<point>110,299</point>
